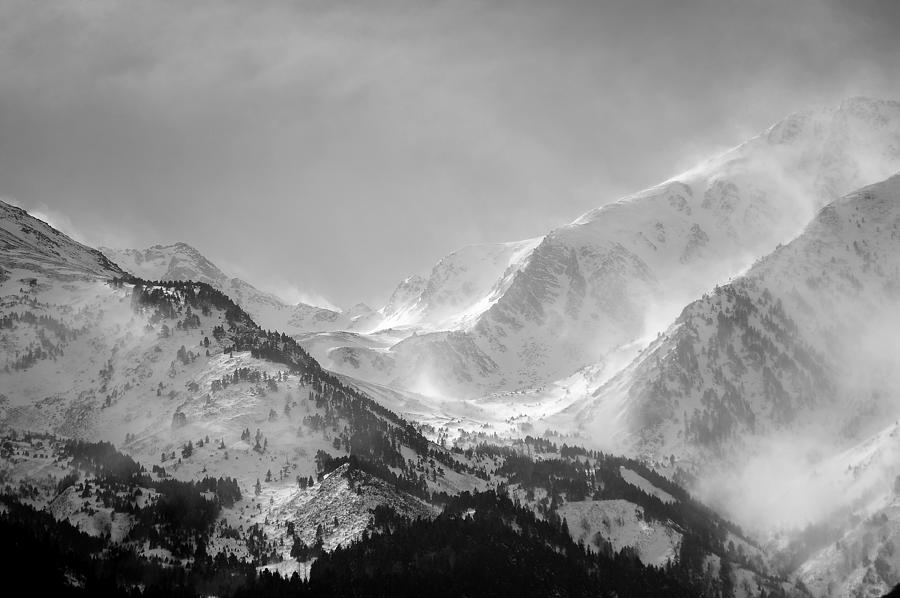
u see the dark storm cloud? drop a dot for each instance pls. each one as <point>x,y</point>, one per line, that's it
<point>340,146</point>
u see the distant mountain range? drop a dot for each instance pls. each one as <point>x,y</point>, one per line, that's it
<point>180,261</point>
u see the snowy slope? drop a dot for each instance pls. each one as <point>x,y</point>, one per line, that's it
<point>622,524</point>
<point>862,558</point>
<point>622,272</point>
<point>31,244</point>
<point>343,504</point>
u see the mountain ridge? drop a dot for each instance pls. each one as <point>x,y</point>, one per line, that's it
<point>30,243</point>
<point>588,290</point>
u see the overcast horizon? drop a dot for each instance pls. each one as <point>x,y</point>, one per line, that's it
<point>326,151</point>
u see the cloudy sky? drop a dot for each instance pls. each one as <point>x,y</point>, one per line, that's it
<point>326,150</point>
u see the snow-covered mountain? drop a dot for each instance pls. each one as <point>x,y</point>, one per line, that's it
<point>461,286</point>
<point>183,262</point>
<point>179,261</point>
<point>586,292</point>
<point>801,351</point>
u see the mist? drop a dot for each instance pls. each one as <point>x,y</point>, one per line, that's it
<point>840,456</point>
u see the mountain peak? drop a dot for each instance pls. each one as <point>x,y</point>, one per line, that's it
<point>32,244</point>
<point>831,122</point>
<point>864,104</point>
